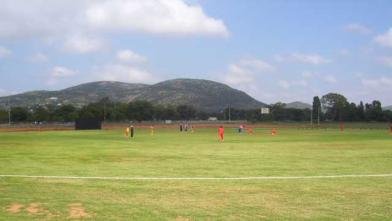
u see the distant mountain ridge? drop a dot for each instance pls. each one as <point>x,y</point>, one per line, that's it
<point>388,108</point>
<point>298,105</point>
<point>202,94</point>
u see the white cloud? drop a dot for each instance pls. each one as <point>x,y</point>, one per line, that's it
<point>309,58</point>
<point>287,84</point>
<point>256,65</point>
<point>59,72</point>
<point>126,73</point>
<point>302,83</point>
<point>153,16</point>
<point>377,83</point>
<point>128,66</point>
<point>128,56</point>
<point>38,18</point>
<point>315,77</point>
<point>237,75</point>
<point>376,88</point>
<point>38,58</point>
<point>48,19</point>
<point>307,74</point>
<point>385,39</point>
<point>4,52</point>
<point>3,92</point>
<point>343,52</point>
<point>245,71</point>
<point>314,59</point>
<point>357,28</point>
<point>330,79</point>
<point>386,60</point>
<point>83,44</point>
<point>284,84</point>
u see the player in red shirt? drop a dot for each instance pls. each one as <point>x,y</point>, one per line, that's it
<point>341,126</point>
<point>273,131</point>
<point>221,133</point>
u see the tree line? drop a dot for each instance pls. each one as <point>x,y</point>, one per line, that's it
<point>330,107</point>
<point>336,107</point>
<point>104,110</point>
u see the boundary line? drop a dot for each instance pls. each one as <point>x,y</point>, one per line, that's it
<point>199,178</point>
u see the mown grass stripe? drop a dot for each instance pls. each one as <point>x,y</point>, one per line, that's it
<point>199,178</point>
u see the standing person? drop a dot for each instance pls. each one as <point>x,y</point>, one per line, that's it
<point>341,126</point>
<point>132,131</point>
<point>127,132</point>
<point>180,127</point>
<point>390,128</point>
<point>221,133</point>
<point>152,130</point>
<point>273,131</point>
<point>249,130</point>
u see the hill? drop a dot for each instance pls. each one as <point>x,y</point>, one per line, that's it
<point>388,108</point>
<point>77,95</point>
<point>202,94</point>
<point>298,105</point>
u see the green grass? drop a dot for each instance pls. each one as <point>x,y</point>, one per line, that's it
<point>171,154</point>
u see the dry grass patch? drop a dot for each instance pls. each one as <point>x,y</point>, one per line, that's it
<point>77,211</point>
<point>14,208</point>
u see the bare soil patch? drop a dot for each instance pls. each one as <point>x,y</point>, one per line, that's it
<point>181,218</point>
<point>77,211</point>
<point>27,128</point>
<point>34,209</point>
<point>14,208</point>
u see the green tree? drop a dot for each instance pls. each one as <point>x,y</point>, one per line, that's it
<point>373,111</point>
<point>278,111</point>
<point>335,106</point>
<point>3,116</point>
<point>40,113</point>
<point>387,116</point>
<point>19,114</point>
<point>106,106</point>
<point>316,109</point>
<point>361,111</point>
<point>186,112</point>
<point>170,113</point>
<point>201,115</point>
<point>118,112</point>
<point>66,113</point>
<point>140,111</point>
<point>351,112</point>
<point>91,111</point>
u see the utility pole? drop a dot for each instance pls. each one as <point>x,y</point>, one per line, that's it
<point>9,116</point>
<point>9,112</point>
<point>318,116</point>
<point>229,113</point>
<point>311,117</point>
<point>104,111</point>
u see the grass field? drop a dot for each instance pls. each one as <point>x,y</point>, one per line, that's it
<point>171,154</point>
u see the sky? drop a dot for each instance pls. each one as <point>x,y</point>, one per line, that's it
<point>274,50</point>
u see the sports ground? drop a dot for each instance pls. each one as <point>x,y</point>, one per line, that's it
<point>313,174</point>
